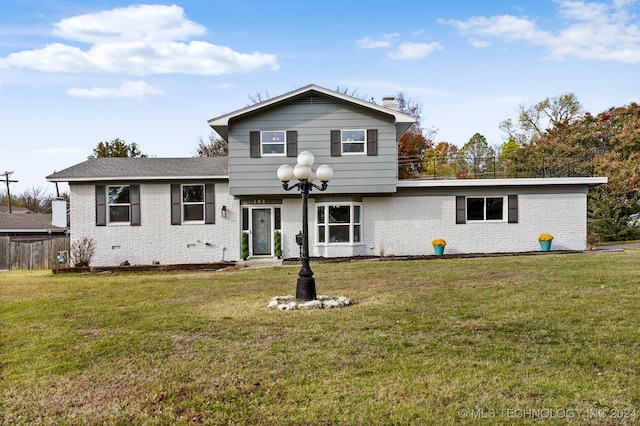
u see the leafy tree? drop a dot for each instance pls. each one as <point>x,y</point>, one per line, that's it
<point>414,143</point>
<point>441,160</point>
<point>116,148</point>
<point>216,147</point>
<point>535,120</point>
<point>476,158</point>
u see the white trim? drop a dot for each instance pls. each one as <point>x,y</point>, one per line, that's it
<point>138,178</point>
<point>221,124</point>
<point>448,183</point>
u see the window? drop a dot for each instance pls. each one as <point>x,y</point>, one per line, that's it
<point>353,141</point>
<point>118,204</point>
<point>339,223</point>
<point>192,203</point>
<point>485,208</point>
<point>273,143</point>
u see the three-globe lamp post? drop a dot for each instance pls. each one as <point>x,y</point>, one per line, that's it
<point>302,171</point>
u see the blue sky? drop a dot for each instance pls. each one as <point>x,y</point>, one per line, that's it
<point>77,72</point>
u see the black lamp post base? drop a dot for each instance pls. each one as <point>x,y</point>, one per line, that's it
<point>306,289</point>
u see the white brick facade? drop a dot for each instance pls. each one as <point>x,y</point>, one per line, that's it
<point>156,239</point>
<point>399,225</point>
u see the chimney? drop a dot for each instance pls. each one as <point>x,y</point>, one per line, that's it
<point>390,102</point>
<point>59,213</point>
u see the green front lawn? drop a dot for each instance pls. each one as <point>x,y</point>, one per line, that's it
<point>498,340</point>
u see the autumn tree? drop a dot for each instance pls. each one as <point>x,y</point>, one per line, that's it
<point>441,160</point>
<point>116,148</point>
<point>216,147</point>
<point>414,143</point>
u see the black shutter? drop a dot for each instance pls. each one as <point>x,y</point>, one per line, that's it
<point>461,214</point>
<point>372,142</point>
<point>209,203</point>
<point>134,193</point>
<point>101,206</point>
<point>336,143</point>
<point>512,208</point>
<point>176,204</point>
<point>254,144</point>
<point>292,143</point>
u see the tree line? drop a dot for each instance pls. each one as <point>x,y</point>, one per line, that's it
<point>554,137</point>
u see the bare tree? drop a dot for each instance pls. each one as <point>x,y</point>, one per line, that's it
<point>216,147</point>
<point>35,198</point>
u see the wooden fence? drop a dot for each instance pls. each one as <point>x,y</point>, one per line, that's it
<point>31,254</point>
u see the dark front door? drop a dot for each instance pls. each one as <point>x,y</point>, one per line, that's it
<point>261,231</point>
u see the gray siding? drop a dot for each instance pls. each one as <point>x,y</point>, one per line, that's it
<point>314,118</point>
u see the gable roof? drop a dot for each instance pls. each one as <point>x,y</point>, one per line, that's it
<point>221,124</point>
<point>25,221</point>
<point>125,168</point>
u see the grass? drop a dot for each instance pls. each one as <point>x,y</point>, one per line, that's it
<point>448,341</point>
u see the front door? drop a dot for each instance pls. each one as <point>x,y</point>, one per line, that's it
<point>261,231</point>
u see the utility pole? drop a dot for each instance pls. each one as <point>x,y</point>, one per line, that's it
<point>7,181</point>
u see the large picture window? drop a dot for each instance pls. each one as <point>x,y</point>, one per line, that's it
<point>192,203</point>
<point>273,142</point>
<point>485,208</point>
<point>339,223</point>
<point>353,141</point>
<point>119,204</point>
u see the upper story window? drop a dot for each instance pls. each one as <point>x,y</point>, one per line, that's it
<point>485,208</point>
<point>118,204</point>
<point>192,203</point>
<point>339,223</point>
<point>353,141</point>
<point>273,142</point>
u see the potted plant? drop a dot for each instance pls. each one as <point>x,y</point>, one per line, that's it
<point>278,244</point>
<point>438,246</point>
<point>545,241</point>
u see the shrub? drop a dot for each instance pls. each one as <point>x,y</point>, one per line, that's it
<point>82,251</point>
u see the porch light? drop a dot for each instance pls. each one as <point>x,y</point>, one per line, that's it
<point>306,286</point>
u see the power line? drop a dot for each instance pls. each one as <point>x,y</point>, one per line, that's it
<point>7,181</point>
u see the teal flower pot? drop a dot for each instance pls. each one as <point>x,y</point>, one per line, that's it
<point>439,250</point>
<point>545,245</point>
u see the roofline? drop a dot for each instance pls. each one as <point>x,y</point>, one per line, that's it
<point>453,183</point>
<point>135,178</point>
<point>222,121</point>
<point>33,230</point>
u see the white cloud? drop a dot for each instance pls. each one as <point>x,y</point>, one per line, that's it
<point>411,51</point>
<point>149,23</point>
<point>599,31</point>
<point>384,41</point>
<point>137,40</point>
<point>128,89</point>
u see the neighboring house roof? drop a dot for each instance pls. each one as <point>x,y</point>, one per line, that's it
<point>126,168</point>
<point>221,124</point>
<point>23,221</point>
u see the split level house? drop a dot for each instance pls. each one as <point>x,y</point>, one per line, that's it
<point>195,210</point>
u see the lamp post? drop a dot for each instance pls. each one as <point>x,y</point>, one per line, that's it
<point>306,287</point>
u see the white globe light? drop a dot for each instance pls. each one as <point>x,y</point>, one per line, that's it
<point>285,173</point>
<point>324,173</point>
<point>306,158</point>
<point>312,176</point>
<point>301,171</point>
